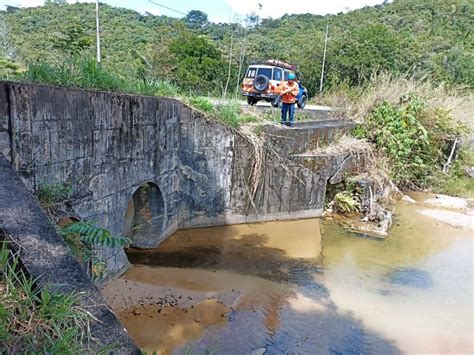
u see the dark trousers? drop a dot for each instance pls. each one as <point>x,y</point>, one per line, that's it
<point>285,110</point>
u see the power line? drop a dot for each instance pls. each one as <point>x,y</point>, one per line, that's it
<point>167,8</point>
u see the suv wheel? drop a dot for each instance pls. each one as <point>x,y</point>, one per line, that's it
<point>276,101</point>
<point>260,83</point>
<point>302,102</point>
<point>251,101</point>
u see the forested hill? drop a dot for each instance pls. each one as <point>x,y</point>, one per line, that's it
<point>417,37</point>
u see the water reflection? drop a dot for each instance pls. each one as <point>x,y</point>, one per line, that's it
<point>303,287</point>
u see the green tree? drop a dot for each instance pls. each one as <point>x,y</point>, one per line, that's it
<point>74,39</point>
<point>192,61</point>
<point>368,50</point>
<point>196,19</point>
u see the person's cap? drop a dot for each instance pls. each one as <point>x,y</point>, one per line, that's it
<point>291,76</point>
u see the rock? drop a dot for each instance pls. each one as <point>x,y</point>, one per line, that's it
<point>454,219</point>
<point>445,201</point>
<point>197,320</point>
<point>408,199</point>
<point>258,351</point>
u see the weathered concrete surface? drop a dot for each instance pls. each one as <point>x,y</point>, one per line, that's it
<point>107,146</point>
<point>47,259</point>
<point>307,135</point>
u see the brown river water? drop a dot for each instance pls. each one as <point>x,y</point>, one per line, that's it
<point>302,287</point>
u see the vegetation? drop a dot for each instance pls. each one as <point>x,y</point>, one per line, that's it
<point>456,182</point>
<point>231,114</point>
<point>10,70</point>
<point>405,68</point>
<point>413,136</point>
<point>38,321</point>
<point>84,237</point>
<point>415,37</point>
<point>48,194</point>
<point>344,202</point>
<point>202,104</point>
<point>85,73</point>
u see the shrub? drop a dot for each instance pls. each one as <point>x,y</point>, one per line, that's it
<point>82,237</point>
<point>414,137</point>
<point>9,70</point>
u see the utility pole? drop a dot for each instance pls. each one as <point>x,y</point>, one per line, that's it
<point>324,58</point>
<point>98,30</point>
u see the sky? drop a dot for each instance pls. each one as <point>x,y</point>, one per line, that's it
<point>225,10</point>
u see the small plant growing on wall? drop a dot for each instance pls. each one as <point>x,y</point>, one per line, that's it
<point>83,237</point>
<point>53,197</point>
<point>345,202</point>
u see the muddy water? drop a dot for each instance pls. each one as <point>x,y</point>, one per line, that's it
<point>305,287</point>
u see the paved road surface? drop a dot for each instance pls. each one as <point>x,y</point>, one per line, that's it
<point>263,104</point>
<point>315,111</point>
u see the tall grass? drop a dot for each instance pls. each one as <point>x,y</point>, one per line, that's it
<point>356,103</point>
<point>201,103</point>
<point>37,321</point>
<point>86,73</point>
<point>231,114</point>
<point>155,87</point>
<point>78,72</point>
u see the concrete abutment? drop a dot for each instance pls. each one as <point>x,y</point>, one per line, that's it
<point>148,166</point>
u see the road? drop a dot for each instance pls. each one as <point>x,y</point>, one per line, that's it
<point>316,111</point>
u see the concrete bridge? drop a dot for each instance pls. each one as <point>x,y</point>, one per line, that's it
<point>147,166</point>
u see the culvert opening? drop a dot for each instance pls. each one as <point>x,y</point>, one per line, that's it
<point>145,216</point>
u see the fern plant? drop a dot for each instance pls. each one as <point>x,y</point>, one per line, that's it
<point>81,238</point>
<point>345,202</point>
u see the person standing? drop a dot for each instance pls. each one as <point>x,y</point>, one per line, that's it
<point>289,92</point>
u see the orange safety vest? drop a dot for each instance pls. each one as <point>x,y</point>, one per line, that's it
<point>290,97</point>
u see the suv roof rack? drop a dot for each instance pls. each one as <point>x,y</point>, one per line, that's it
<point>277,63</point>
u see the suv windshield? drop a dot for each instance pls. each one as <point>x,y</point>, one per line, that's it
<point>253,72</point>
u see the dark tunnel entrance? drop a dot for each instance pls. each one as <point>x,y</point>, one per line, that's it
<point>145,216</point>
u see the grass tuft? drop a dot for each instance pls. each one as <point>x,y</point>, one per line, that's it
<point>38,321</point>
<point>201,103</point>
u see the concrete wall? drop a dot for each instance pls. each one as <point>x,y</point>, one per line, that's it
<point>107,145</point>
<point>46,258</point>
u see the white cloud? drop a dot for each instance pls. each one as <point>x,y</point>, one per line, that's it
<point>277,8</point>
